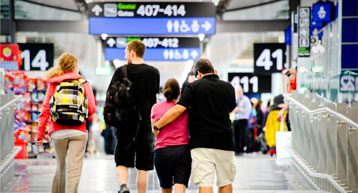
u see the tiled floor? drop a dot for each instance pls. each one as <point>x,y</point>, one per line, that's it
<point>255,174</point>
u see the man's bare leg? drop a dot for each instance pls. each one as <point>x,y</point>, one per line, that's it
<point>122,173</point>
<point>226,189</point>
<point>206,190</point>
<point>142,180</point>
<point>179,188</point>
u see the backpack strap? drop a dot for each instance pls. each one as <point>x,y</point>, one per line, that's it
<point>82,81</point>
<point>125,71</point>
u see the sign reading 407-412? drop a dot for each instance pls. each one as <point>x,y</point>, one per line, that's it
<point>152,18</point>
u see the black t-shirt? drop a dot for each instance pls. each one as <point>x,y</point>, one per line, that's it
<point>145,81</point>
<point>209,100</point>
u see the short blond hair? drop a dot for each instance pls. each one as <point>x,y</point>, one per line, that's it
<point>138,47</point>
<point>66,63</point>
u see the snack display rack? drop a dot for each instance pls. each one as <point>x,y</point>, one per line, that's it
<point>27,112</point>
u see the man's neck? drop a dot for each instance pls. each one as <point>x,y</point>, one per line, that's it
<point>208,74</point>
<point>137,61</point>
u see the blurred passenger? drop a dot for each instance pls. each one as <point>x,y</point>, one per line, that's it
<point>210,101</point>
<point>241,116</point>
<point>69,141</point>
<point>275,122</point>
<point>171,152</point>
<point>259,117</point>
<point>189,79</point>
<point>96,134</point>
<point>135,137</point>
<point>110,139</point>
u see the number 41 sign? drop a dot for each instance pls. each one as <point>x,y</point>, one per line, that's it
<point>36,56</point>
<point>269,57</point>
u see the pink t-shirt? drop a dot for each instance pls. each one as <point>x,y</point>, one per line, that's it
<point>175,133</point>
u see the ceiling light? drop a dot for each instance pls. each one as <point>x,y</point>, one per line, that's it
<point>216,2</point>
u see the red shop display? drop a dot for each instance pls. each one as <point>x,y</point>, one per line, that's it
<point>10,56</point>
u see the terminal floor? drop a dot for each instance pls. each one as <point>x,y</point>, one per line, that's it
<point>256,173</point>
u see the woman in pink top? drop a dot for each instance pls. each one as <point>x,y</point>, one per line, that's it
<point>69,141</point>
<point>172,158</point>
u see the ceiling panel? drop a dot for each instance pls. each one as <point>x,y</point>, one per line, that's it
<point>233,4</point>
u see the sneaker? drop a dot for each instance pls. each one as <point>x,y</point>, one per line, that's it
<point>124,189</point>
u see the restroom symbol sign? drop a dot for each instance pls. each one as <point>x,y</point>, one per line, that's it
<point>304,42</point>
<point>322,13</point>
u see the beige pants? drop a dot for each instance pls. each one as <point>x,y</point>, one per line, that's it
<point>70,152</point>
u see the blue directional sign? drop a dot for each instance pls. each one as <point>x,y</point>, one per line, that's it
<point>152,18</point>
<point>321,12</point>
<point>152,26</point>
<point>157,54</point>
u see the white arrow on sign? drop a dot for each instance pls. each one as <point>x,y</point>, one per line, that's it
<point>97,9</point>
<point>206,26</point>
<point>111,42</point>
<point>194,54</point>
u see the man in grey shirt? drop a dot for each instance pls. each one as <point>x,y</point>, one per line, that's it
<point>241,116</point>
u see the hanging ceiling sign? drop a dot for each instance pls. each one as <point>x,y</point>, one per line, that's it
<point>251,83</point>
<point>157,54</point>
<point>155,42</point>
<point>37,56</point>
<point>157,48</point>
<point>152,18</point>
<point>269,57</point>
<point>304,21</point>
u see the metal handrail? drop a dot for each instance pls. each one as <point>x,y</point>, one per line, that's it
<point>315,174</point>
<point>321,110</point>
<point>10,102</point>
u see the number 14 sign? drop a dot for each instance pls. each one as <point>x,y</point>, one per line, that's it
<point>269,57</point>
<point>36,56</point>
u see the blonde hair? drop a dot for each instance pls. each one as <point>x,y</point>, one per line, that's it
<point>66,63</point>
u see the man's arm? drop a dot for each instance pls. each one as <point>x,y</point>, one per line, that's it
<point>170,116</point>
<point>156,132</point>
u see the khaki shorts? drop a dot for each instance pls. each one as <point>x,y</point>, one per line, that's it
<point>207,162</point>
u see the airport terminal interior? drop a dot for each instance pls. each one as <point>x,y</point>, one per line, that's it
<point>295,61</point>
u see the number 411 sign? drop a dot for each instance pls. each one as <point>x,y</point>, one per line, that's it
<point>269,57</point>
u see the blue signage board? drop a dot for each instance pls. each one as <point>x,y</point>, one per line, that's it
<point>349,57</point>
<point>157,54</point>
<point>321,12</point>
<point>152,26</point>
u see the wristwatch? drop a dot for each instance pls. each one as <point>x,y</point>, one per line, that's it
<point>156,128</point>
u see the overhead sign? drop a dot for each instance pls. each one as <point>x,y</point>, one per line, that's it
<point>251,83</point>
<point>37,56</point>
<point>157,54</point>
<point>269,57</point>
<point>304,21</point>
<point>155,42</point>
<point>152,9</point>
<point>322,12</point>
<point>152,26</point>
<point>152,18</point>
<point>348,83</point>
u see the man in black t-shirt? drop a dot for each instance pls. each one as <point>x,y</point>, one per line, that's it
<point>145,86</point>
<point>210,101</point>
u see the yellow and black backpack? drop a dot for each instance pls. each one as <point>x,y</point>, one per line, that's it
<point>69,105</point>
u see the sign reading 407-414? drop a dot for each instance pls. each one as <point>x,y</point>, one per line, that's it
<point>152,18</point>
